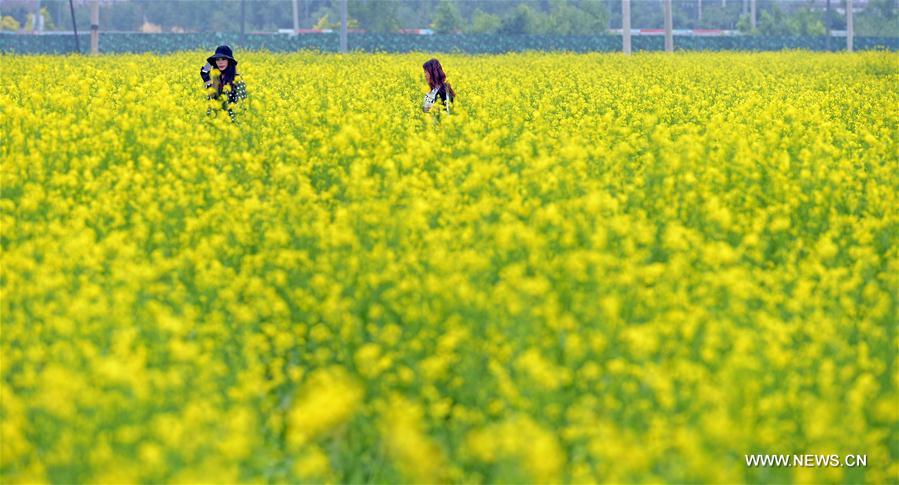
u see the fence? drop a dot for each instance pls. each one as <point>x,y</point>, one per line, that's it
<point>474,44</point>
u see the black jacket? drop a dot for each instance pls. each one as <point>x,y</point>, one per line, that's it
<point>442,94</point>
<point>237,91</point>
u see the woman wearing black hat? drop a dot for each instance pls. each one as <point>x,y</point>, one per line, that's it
<point>220,75</point>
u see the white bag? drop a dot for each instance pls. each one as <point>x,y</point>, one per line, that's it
<point>431,98</point>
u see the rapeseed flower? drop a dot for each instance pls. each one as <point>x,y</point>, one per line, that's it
<point>640,270</point>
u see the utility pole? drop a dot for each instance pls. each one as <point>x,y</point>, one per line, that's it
<point>343,15</point>
<point>243,17</point>
<point>669,35</point>
<point>75,27</point>
<point>626,26</point>
<point>296,16</point>
<point>95,27</point>
<point>850,29</point>
<point>752,13</point>
<point>38,24</point>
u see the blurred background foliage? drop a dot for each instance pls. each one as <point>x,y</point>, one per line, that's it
<point>530,17</point>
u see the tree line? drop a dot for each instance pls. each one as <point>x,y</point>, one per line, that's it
<point>512,17</point>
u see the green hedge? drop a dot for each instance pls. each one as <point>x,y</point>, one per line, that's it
<point>475,44</point>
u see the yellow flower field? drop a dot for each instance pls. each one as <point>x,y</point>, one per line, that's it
<point>598,269</point>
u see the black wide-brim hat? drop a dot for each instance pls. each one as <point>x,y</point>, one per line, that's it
<point>222,52</point>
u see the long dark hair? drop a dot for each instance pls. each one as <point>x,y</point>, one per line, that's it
<point>228,75</point>
<point>436,76</point>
